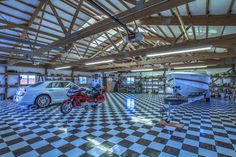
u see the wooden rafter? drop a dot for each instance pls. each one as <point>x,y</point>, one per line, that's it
<point>90,42</point>
<point>169,59</point>
<point>131,1</point>
<point>181,22</point>
<point>32,18</point>
<point>36,12</point>
<point>57,17</point>
<point>184,45</point>
<point>75,15</point>
<point>229,10</point>
<point>6,27</point>
<point>112,42</point>
<point>159,36</point>
<point>46,37</point>
<point>150,7</point>
<point>25,27</point>
<point>40,22</point>
<point>105,48</point>
<point>211,20</point>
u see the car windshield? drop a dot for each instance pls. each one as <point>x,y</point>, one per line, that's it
<point>73,86</point>
<point>36,84</point>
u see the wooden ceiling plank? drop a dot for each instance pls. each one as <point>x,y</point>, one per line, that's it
<point>211,20</point>
<point>29,28</point>
<point>170,59</point>
<point>150,7</point>
<point>143,52</point>
<point>48,20</point>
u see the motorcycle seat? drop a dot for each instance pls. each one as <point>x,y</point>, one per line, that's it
<point>93,94</point>
<point>74,91</point>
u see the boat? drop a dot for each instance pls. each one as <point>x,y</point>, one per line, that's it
<point>189,83</point>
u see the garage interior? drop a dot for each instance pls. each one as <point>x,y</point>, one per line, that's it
<point>135,51</point>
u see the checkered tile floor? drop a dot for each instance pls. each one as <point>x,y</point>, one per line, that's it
<point>125,125</point>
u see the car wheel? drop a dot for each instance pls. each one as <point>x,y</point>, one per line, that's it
<point>43,100</point>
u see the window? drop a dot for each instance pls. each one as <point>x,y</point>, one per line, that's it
<point>82,80</point>
<point>130,80</point>
<point>31,79</point>
<point>64,84</point>
<point>55,85</point>
<point>59,85</point>
<point>36,84</point>
<point>27,79</point>
<point>23,79</point>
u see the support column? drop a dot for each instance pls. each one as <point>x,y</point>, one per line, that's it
<point>6,83</point>
<point>164,76</point>
<point>72,75</point>
<point>45,73</point>
<point>233,73</point>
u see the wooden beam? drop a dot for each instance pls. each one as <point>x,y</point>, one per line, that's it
<point>25,27</point>
<point>229,10</point>
<point>57,17</point>
<point>131,1</point>
<point>184,45</point>
<point>28,42</point>
<point>150,7</point>
<point>36,12</point>
<point>40,23</point>
<point>25,52</point>
<point>211,20</point>
<point>6,27</point>
<point>161,38</point>
<point>75,15</point>
<point>169,59</point>
<point>181,22</point>
<point>112,42</point>
<point>105,48</point>
<point>176,59</point>
<point>88,46</point>
<point>179,37</point>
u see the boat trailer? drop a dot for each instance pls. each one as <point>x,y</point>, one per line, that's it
<point>172,102</point>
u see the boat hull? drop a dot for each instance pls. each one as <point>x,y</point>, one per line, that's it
<point>187,84</point>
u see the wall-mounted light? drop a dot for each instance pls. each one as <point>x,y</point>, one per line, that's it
<point>202,48</point>
<point>60,68</point>
<point>99,62</point>
<point>111,71</point>
<point>142,70</point>
<point>191,67</point>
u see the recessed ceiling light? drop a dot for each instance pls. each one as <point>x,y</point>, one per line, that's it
<point>204,48</point>
<point>99,62</point>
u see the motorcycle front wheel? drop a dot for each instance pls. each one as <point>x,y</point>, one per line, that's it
<point>66,107</point>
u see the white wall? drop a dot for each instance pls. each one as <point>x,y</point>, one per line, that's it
<point>13,79</point>
<point>26,69</point>
<point>155,73</point>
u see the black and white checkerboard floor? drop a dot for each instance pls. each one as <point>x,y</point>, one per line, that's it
<point>125,125</point>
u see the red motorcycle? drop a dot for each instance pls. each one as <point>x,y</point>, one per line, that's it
<point>82,97</point>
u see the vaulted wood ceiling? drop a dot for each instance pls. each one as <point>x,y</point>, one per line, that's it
<point>72,32</point>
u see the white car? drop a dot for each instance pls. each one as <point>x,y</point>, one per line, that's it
<point>43,93</point>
